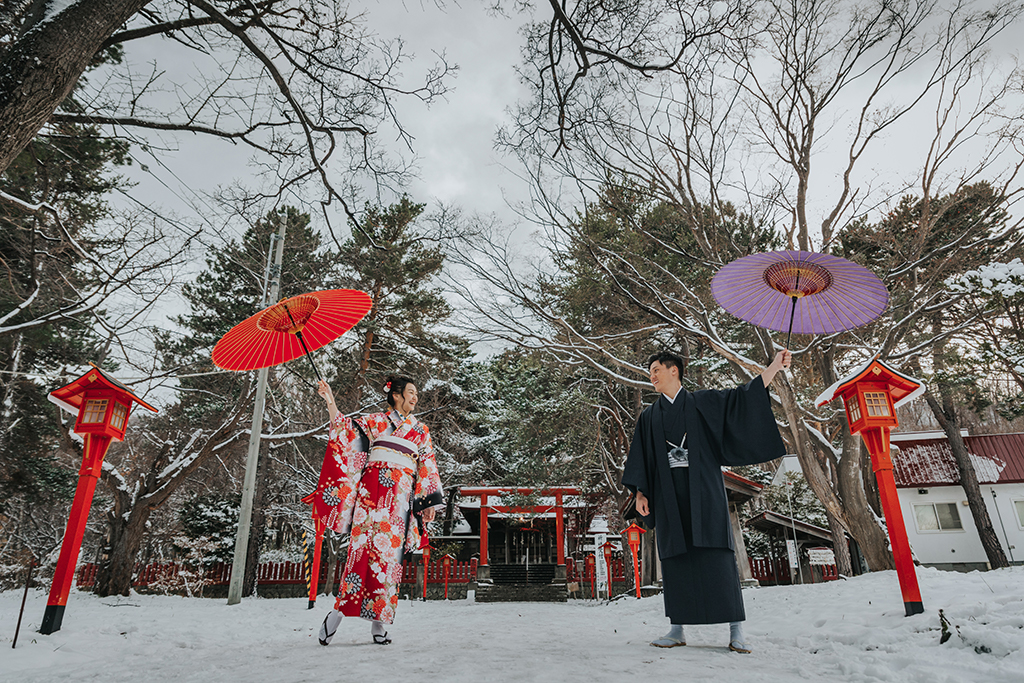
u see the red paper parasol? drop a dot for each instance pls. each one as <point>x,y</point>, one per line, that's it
<point>291,328</point>
<point>834,294</point>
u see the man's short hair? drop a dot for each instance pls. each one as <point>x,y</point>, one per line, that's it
<point>667,359</point>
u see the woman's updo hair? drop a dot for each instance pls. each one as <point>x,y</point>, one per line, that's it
<point>396,385</point>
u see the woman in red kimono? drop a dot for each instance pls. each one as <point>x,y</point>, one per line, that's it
<point>396,492</point>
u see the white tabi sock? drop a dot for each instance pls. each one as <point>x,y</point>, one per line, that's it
<point>674,637</point>
<point>676,633</point>
<point>736,631</point>
<point>330,626</point>
<point>377,628</point>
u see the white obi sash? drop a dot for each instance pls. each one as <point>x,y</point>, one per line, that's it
<point>395,451</point>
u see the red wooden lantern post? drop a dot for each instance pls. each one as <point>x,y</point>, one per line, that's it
<point>447,561</point>
<point>607,548</point>
<point>102,405</point>
<point>871,395</point>
<point>426,568</point>
<point>633,532</point>
<point>592,570</point>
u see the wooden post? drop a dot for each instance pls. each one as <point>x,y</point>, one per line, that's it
<point>314,571</point>
<point>253,454</point>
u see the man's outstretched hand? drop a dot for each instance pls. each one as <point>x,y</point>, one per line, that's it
<point>783,359</point>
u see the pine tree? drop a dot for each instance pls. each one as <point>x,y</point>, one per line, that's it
<point>68,167</point>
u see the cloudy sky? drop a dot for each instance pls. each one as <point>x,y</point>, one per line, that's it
<point>453,138</point>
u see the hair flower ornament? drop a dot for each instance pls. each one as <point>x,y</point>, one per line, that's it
<point>387,387</point>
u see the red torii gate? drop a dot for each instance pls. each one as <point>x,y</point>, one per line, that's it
<point>484,492</point>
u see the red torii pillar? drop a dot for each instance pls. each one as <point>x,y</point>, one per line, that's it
<point>483,570</point>
<point>560,535</point>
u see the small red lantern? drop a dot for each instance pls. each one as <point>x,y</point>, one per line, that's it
<point>592,571</point>
<point>871,395</point>
<point>426,568</point>
<point>447,562</point>
<point>633,532</point>
<point>608,547</point>
<point>102,406</point>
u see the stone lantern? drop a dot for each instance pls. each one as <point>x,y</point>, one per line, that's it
<point>102,406</point>
<point>871,395</point>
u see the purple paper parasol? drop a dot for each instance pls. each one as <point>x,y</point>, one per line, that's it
<point>800,291</point>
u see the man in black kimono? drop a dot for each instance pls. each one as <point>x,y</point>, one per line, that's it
<point>675,462</point>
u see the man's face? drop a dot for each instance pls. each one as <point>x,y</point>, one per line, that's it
<point>663,376</point>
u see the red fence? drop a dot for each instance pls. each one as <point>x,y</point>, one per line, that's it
<point>572,572</point>
<point>458,572</point>
<point>774,571</point>
<point>279,573</point>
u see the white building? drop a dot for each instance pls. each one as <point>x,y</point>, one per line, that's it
<point>939,523</point>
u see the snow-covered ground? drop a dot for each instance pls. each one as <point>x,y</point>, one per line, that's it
<point>843,631</point>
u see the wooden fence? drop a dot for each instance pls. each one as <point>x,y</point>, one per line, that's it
<point>774,571</point>
<point>277,573</point>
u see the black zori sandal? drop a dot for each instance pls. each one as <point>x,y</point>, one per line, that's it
<point>381,639</point>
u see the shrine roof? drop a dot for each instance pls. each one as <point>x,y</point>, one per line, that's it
<point>740,488</point>
<point>904,387</point>
<point>773,522</point>
<point>920,463</point>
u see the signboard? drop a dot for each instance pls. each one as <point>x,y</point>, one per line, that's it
<point>791,549</point>
<point>599,565</point>
<point>821,556</point>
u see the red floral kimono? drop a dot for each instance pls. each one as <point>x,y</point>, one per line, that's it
<point>375,500</point>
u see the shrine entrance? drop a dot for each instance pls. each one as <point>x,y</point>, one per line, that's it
<point>522,539</point>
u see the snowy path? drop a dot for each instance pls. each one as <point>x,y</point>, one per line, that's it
<point>844,631</point>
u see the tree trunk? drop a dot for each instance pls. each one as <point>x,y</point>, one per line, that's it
<point>124,538</point>
<point>449,512</point>
<point>864,524</point>
<point>45,62</point>
<point>950,422</point>
<point>839,546</point>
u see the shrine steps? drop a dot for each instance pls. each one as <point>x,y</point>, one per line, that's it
<point>517,583</point>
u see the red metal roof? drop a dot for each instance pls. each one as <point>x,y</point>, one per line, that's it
<point>997,458</point>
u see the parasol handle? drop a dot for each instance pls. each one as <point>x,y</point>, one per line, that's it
<point>792,312</point>
<point>305,349</point>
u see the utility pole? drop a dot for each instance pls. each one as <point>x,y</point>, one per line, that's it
<point>252,459</point>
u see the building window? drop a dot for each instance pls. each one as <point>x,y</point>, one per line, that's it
<point>937,517</point>
<point>876,404</point>
<point>1019,505</point>
<point>95,410</point>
